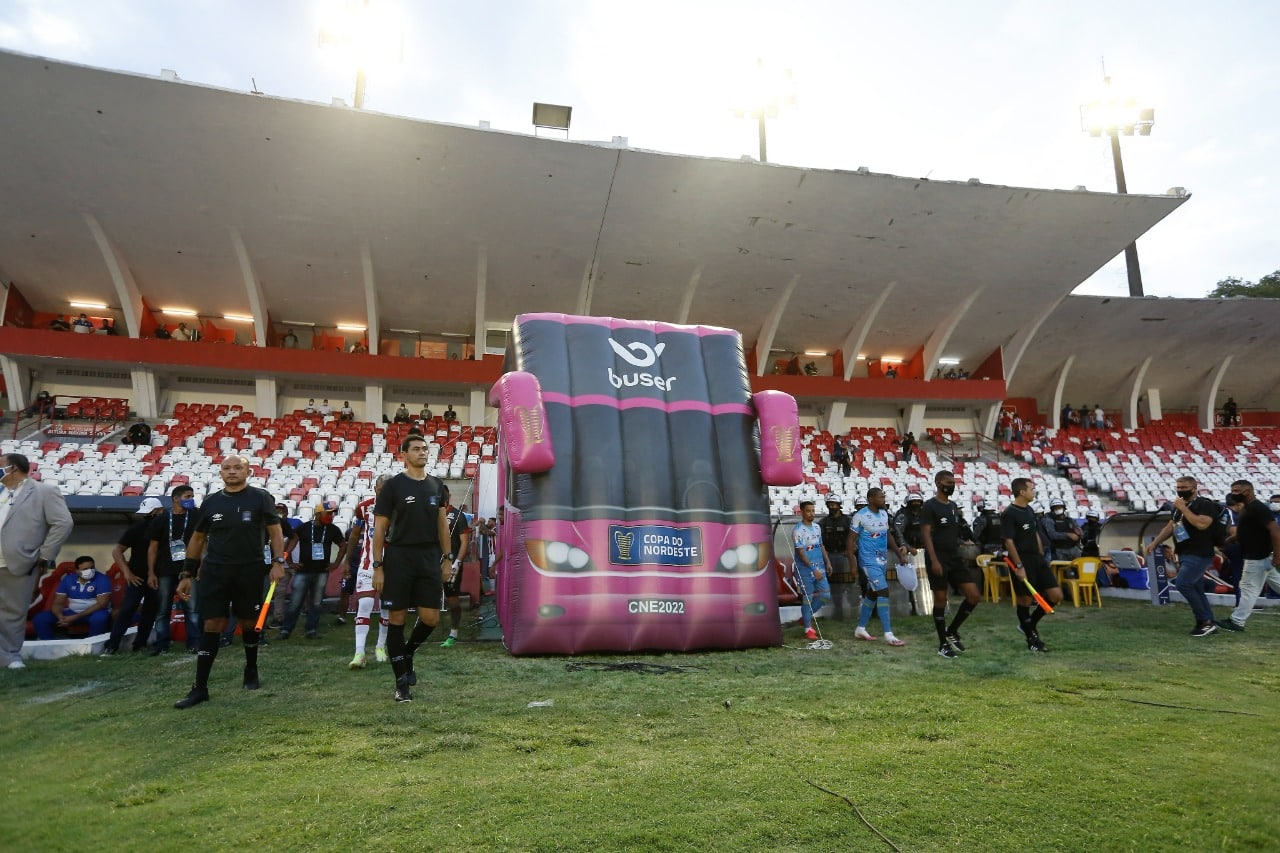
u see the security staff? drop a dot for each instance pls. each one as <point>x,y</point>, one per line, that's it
<point>236,537</point>
<point>1062,530</point>
<point>838,540</point>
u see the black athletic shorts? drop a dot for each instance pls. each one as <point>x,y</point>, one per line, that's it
<point>234,585</point>
<point>1040,575</point>
<point>954,573</point>
<point>411,577</point>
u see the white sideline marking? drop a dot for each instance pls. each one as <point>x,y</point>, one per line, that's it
<point>65,694</point>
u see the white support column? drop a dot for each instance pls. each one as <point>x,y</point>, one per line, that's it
<point>257,303</point>
<point>1017,346</point>
<point>835,417</point>
<point>266,397</point>
<point>1055,408</point>
<point>858,335</point>
<point>915,419</point>
<point>372,404</point>
<point>373,327</point>
<point>1209,393</point>
<point>988,417</point>
<point>121,277</point>
<point>1155,412</point>
<point>941,336</point>
<point>764,340</point>
<point>146,392</point>
<point>17,381</point>
<point>1133,392</point>
<point>482,290</point>
<point>478,408</point>
<point>686,302</point>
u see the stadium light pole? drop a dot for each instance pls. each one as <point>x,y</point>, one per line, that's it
<point>1114,116</point>
<point>764,94</point>
<point>365,31</point>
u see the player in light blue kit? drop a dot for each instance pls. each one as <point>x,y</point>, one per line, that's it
<point>811,567</point>
<point>874,536</point>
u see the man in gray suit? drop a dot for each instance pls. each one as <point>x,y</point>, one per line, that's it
<point>34,522</point>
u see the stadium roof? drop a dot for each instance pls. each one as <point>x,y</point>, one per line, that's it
<point>452,229</point>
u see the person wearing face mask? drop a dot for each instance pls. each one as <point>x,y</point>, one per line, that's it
<point>1259,537</point>
<point>82,598</point>
<point>34,522</point>
<point>167,549</point>
<point>1190,526</point>
<point>1063,533</point>
<point>315,543</point>
<point>941,529</point>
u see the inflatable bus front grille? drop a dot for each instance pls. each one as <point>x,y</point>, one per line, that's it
<point>636,515</point>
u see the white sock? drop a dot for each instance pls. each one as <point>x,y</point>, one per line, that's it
<point>454,633</point>
<point>364,607</point>
<point>382,630</point>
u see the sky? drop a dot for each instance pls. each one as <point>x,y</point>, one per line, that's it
<point>987,89</point>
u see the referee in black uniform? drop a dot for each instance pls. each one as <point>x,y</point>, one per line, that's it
<point>409,526</point>
<point>238,535</point>
<point>1022,540</point>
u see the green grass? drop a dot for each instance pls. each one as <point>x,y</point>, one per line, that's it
<point>1000,750</point>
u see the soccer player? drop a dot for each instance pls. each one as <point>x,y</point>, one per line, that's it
<point>367,601</point>
<point>409,528</point>
<point>875,537</point>
<point>811,563</point>
<point>236,537</point>
<point>941,528</point>
<point>1026,550</point>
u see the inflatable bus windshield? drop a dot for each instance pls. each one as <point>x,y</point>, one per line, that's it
<point>632,463</point>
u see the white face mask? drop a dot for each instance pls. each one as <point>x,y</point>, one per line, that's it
<point>87,574</point>
<point>1275,506</point>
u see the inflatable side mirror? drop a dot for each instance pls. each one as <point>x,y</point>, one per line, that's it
<point>780,463</point>
<point>522,422</point>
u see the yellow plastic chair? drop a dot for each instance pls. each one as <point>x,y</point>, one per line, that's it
<point>1085,583</point>
<point>990,578</point>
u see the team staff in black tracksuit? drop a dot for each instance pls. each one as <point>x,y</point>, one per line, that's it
<point>1026,549</point>
<point>409,526</point>
<point>236,537</point>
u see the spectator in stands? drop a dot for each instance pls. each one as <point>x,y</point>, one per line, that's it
<point>161,334</point>
<point>840,456</point>
<point>908,445</point>
<point>1068,417</point>
<point>1230,413</point>
<point>82,598</point>
<point>402,414</point>
<point>1064,461</point>
<point>34,522</point>
<point>425,414</point>
<point>60,324</point>
<point>325,408</point>
<point>137,592</point>
<point>1099,418</point>
<point>290,340</point>
<point>139,435</point>
<point>346,413</point>
<point>1062,530</point>
<point>107,327</point>
<point>359,348</point>
<point>891,372</point>
<point>1190,526</point>
<point>450,414</point>
<point>1004,426</point>
<point>810,369</point>
<point>310,407</point>
<point>167,537</point>
<point>42,404</point>
<point>1259,538</point>
<point>459,541</point>
<point>182,333</point>
<point>82,325</point>
<point>315,548</point>
<point>1016,426</point>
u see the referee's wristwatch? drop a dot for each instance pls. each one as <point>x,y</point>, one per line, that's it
<point>377,564</point>
<point>280,559</point>
<point>1018,565</point>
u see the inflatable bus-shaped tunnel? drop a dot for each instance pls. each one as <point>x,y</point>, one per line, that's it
<point>633,461</point>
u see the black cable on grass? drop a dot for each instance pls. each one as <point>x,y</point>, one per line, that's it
<point>858,812</point>
<point>1158,704</point>
<point>628,666</point>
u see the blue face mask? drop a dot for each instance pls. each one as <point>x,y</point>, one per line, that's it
<point>188,503</point>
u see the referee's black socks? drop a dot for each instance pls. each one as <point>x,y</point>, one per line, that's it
<point>421,631</point>
<point>249,637</point>
<point>1036,615</point>
<point>1024,619</point>
<point>204,658</point>
<point>395,649</point>
<point>940,622</point>
<point>965,609</point>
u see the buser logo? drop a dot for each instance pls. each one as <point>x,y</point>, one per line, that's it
<point>639,355</point>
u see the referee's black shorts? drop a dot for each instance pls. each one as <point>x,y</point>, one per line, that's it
<point>1039,573</point>
<point>955,574</point>
<point>411,577</point>
<point>234,585</point>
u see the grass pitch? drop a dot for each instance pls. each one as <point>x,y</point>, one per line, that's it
<point>1129,735</point>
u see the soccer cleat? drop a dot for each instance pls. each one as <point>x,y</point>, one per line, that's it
<point>1231,625</point>
<point>195,697</point>
<point>810,634</point>
<point>338,620</point>
<point>357,662</point>
<point>16,663</point>
<point>411,678</point>
<point>1204,630</point>
<point>251,678</point>
<point>312,635</point>
<point>1035,644</point>
<point>403,694</point>
<point>953,640</point>
<point>863,634</point>
<point>944,651</point>
<point>107,651</point>
<point>892,640</point>
<point>449,642</point>
<point>380,655</point>
<point>284,635</point>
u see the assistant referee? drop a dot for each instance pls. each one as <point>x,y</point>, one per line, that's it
<point>409,526</point>
<point>237,535</point>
